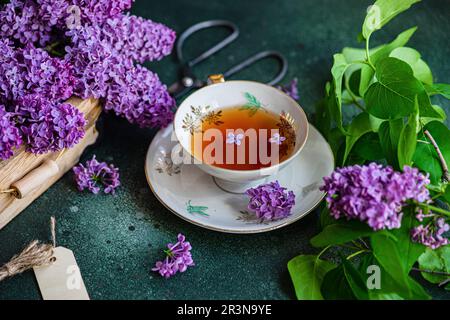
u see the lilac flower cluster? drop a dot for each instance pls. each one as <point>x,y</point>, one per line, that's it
<point>95,174</point>
<point>31,21</point>
<point>31,70</point>
<point>47,127</point>
<point>374,194</point>
<point>103,59</point>
<point>138,39</point>
<point>9,135</point>
<point>98,11</point>
<point>291,89</point>
<point>178,258</point>
<point>431,234</point>
<point>271,201</point>
<point>102,44</point>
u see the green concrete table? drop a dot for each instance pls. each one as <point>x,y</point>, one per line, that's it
<point>116,240</point>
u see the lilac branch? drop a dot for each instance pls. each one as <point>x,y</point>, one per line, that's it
<point>445,174</point>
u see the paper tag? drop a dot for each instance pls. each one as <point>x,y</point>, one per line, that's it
<point>62,279</point>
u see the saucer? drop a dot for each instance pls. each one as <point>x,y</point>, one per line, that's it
<point>194,196</point>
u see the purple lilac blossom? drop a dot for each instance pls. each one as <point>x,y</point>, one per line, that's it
<point>374,194</point>
<point>11,83</point>
<point>47,127</point>
<point>270,201</point>
<point>141,98</point>
<point>99,60</point>
<point>50,77</point>
<point>431,234</point>
<point>95,12</point>
<point>95,174</point>
<point>32,71</point>
<point>178,258</point>
<point>9,135</point>
<point>137,38</point>
<point>133,92</point>
<point>31,22</point>
<point>291,89</point>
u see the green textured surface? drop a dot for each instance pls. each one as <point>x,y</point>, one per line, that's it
<point>117,239</point>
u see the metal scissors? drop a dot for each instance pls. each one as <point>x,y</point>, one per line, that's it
<point>188,81</point>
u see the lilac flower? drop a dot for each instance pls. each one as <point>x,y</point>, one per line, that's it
<point>276,138</point>
<point>29,21</point>
<point>133,92</point>
<point>271,201</point>
<point>99,58</point>
<point>96,174</point>
<point>141,98</point>
<point>431,235</point>
<point>11,83</point>
<point>32,71</point>
<point>291,89</point>
<point>178,258</point>
<point>234,138</point>
<point>50,77</point>
<point>98,11</point>
<point>9,135</point>
<point>138,39</point>
<point>374,194</point>
<point>47,127</point>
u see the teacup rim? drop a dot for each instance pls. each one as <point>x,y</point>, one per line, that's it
<point>284,162</point>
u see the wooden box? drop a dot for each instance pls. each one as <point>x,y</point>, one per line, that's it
<point>29,175</point>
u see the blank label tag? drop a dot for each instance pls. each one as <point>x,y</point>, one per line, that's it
<point>62,279</point>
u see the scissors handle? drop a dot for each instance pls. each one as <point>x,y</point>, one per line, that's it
<point>259,56</point>
<point>206,25</point>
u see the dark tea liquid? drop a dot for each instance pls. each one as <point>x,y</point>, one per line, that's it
<point>235,118</point>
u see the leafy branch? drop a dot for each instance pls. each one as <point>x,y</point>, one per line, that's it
<point>391,88</point>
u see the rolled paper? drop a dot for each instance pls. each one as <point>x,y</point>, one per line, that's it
<point>35,178</point>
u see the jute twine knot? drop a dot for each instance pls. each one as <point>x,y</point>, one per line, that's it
<point>36,254</point>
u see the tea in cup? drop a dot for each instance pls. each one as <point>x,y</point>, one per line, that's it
<point>240,132</point>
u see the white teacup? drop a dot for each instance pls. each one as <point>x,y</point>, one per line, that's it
<point>221,95</point>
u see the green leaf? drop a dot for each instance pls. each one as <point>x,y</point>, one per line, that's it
<point>360,125</point>
<point>367,73</point>
<point>435,260</point>
<point>439,88</point>
<point>389,287</point>
<point>335,285</point>
<point>446,195</point>
<point>386,252</point>
<point>426,157</point>
<point>412,57</point>
<point>393,96</point>
<point>307,273</point>
<point>355,281</point>
<point>340,233</point>
<point>375,122</point>
<point>408,138</point>
<point>337,71</point>
<point>368,147</point>
<point>409,251</point>
<point>389,134</point>
<point>382,12</point>
<point>396,256</point>
<point>325,218</point>
<point>442,116</point>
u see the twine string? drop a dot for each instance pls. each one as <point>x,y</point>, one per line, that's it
<point>36,254</point>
